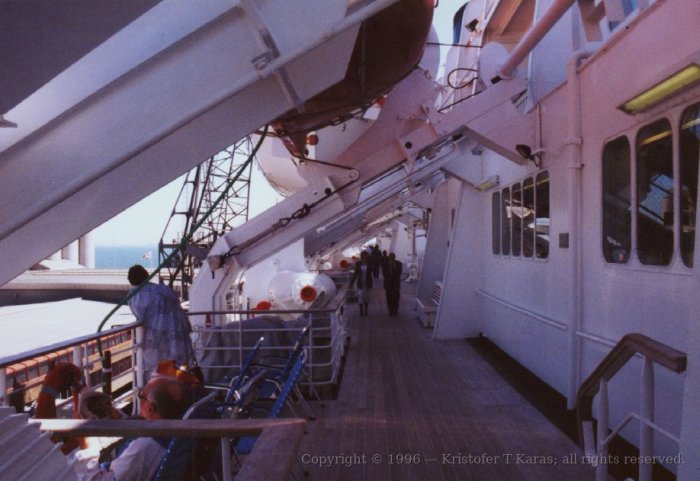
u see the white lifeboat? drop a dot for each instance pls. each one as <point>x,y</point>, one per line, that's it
<point>300,290</point>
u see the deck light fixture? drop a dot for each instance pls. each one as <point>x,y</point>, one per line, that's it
<point>662,90</point>
<point>489,183</point>
<point>527,153</point>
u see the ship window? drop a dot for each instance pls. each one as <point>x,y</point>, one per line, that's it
<point>528,222</point>
<point>496,223</point>
<point>689,153</point>
<point>516,213</point>
<point>655,194</point>
<point>505,222</point>
<point>542,215</point>
<point>617,201</point>
<point>520,218</point>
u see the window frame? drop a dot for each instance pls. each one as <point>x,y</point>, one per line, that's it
<point>497,217</point>
<point>677,261</point>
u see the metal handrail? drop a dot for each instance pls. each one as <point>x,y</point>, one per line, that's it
<point>335,330</point>
<point>76,341</point>
<point>37,361</point>
<point>279,436</point>
<point>653,352</point>
<point>627,347</point>
<point>325,310</point>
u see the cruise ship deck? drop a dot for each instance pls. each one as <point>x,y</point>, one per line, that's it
<point>412,408</point>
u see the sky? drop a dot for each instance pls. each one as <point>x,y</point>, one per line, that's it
<point>144,222</point>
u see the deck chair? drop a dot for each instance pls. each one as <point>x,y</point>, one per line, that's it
<point>279,369</point>
<point>245,444</point>
<point>238,380</point>
<point>183,453</point>
<point>242,374</point>
<point>246,395</point>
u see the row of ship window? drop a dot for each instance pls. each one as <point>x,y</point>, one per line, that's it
<point>648,205</point>
<point>520,218</point>
<point>650,194</point>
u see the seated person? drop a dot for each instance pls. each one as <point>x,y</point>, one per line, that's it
<point>63,377</point>
<point>161,398</point>
<point>94,405</point>
<point>97,405</point>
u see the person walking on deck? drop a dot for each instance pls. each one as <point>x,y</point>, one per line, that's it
<point>362,280</point>
<point>376,258</point>
<point>392,283</point>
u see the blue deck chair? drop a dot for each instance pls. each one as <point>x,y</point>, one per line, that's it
<point>180,451</point>
<point>246,395</point>
<point>279,369</point>
<point>245,444</point>
<point>244,371</point>
<point>283,365</point>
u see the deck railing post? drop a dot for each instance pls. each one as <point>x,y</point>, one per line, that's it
<point>603,426</point>
<point>77,353</point>
<point>3,387</point>
<point>107,372</point>
<point>646,432</point>
<point>240,343</point>
<point>226,458</point>
<point>311,349</point>
<point>138,366</point>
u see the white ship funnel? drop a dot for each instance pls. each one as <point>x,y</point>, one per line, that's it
<point>300,290</point>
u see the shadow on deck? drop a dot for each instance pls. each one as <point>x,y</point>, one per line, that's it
<point>411,408</point>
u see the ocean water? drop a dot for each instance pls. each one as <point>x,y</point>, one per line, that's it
<point>123,257</point>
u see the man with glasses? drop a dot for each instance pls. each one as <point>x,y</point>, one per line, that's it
<point>160,398</point>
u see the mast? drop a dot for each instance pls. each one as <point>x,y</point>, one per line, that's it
<point>200,190</point>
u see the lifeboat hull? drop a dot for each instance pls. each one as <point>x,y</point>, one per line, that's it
<point>390,44</point>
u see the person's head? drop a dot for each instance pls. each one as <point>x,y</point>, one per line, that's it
<point>137,275</point>
<point>383,253</point>
<point>97,405</point>
<point>163,398</point>
<point>392,256</point>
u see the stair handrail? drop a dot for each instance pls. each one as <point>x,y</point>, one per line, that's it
<point>628,346</point>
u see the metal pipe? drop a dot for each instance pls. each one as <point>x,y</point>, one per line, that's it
<point>77,355</point>
<point>138,367</point>
<point>573,143</point>
<point>532,38</point>
<point>107,372</point>
<point>601,473</point>
<point>226,458</point>
<point>646,410</point>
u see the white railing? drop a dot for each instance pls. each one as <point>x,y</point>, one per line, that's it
<point>21,375</point>
<point>221,349</point>
<point>596,445</point>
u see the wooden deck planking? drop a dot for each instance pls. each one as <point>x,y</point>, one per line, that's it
<point>403,393</point>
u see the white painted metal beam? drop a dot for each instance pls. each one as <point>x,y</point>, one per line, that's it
<point>164,94</point>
